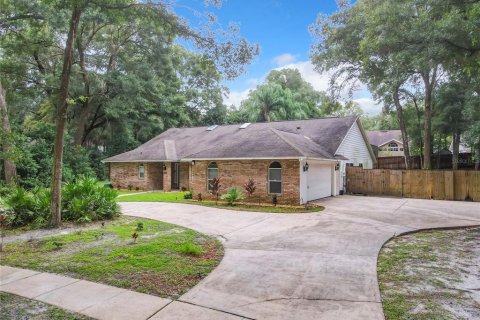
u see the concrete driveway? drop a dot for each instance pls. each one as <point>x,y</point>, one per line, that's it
<point>300,266</point>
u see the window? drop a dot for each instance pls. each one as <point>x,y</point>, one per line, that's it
<point>275,178</point>
<point>141,171</point>
<point>392,146</point>
<point>212,172</point>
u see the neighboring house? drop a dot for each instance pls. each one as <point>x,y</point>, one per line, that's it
<point>386,143</point>
<point>299,161</point>
<point>462,148</point>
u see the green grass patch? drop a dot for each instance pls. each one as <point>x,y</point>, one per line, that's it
<point>178,198</point>
<point>119,192</point>
<point>155,263</point>
<point>154,197</point>
<point>191,249</point>
<point>15,307</point>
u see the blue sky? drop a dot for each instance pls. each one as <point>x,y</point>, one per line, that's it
<point>280,27</point>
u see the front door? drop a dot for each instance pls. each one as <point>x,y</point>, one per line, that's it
<point>175,175</point>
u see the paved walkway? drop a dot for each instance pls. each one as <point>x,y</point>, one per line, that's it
<point>276,266</point>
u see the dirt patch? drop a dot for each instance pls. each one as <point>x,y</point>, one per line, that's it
<point>431,275</point>
<point>15,307</point>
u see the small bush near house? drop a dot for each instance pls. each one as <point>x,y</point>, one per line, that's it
<point>250,187</point>
<point>233,195</point>
<point>188,195</point>
<point>189,248</point>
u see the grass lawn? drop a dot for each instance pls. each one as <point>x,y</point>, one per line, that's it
<point>178,197</point>
<point>431,275</point>
<point>127,191</point>
<point>166,260</point>
<point>15,307</point>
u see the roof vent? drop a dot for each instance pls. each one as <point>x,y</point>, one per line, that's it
<point>245,125</point>
<point>211,128</point>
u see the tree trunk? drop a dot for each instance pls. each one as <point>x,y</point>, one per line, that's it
<point>61,119</point>
<point>419,124</point>
<point>403,127</point>
<point>477,161</point>
<point>429,83</point>
<point>455,149</point>
<point>8,165</point>
<point>79,135</point>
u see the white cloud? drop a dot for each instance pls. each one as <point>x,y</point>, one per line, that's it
<point>284,59</point>
<point>319,81</point>
<point>235,97</point>
<point>369,105</point>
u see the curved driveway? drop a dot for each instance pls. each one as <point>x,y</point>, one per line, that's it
<point>300,266</point>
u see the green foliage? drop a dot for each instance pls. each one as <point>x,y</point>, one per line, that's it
<point>86,200</point>
<point>188,195</point>
<point>21,203</point>
<point>190,248</point>
<point>233,194</point>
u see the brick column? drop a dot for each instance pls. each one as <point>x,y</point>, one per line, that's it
<point>167,177</point>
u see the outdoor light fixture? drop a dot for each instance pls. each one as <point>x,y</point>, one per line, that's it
<point>164,167</point>
<point>337,166</point>
<point>305,167</point>
<point>193,162</point>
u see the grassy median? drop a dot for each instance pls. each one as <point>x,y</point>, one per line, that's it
<point>139,254</point>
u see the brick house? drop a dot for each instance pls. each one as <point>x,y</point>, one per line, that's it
<point>298,161</point>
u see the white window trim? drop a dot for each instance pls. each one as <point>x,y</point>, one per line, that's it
<point>208,170</point>
<point>269,180</point>
<point>141,165</point>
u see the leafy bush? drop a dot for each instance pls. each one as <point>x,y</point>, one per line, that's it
<point>82,201</point>
<point>21,204</point>
<point>215,187</point>
<point>188,195</point>
<point>86,200</point>
<point>233,195</point>
<point>250,187</point>
<point>190,249</point>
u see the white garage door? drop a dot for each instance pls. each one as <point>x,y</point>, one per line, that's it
<point>319,181</point>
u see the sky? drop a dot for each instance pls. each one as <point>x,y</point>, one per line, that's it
<point>280,27</point>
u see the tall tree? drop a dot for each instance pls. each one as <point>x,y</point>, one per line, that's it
<point>395,45</point>
<point>9,166</point>
<point>61,120</point>
<point>95,71</point>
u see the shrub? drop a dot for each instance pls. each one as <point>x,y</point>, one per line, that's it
<point>215,187</point>
<point>21,203</point>
<point>250,187</point>
<point>190,249</point>
<point>188,195</point>
<point>233,195</point>
<point>85,200</point>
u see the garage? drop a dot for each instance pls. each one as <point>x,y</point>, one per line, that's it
<point>319,180</point>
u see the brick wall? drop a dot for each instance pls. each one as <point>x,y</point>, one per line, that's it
<point>236,173</point>
<point>184,175</point>
<point>125,174</point>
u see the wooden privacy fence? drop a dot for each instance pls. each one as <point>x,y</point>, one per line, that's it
<point>424,184</point>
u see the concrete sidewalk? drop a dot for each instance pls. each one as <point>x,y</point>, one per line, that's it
<point>97,300</point>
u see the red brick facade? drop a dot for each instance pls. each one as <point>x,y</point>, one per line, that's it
<point>237,172</point>
<point>194,177</point>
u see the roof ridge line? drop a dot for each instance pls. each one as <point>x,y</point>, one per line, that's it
<point>285,140</point>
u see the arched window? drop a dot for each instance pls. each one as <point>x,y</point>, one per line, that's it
<point>275,178</point>
<point>212,172</point>
<point>392,146</point>
<point>141,171</point>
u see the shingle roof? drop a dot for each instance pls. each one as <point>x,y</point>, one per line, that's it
<point>317,138</point>
<point>380,137</point>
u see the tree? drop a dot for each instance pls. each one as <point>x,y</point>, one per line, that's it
<point>9,166</point>
<point>396,45</point>
<point>265,103</point>
<point>133,36</point>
